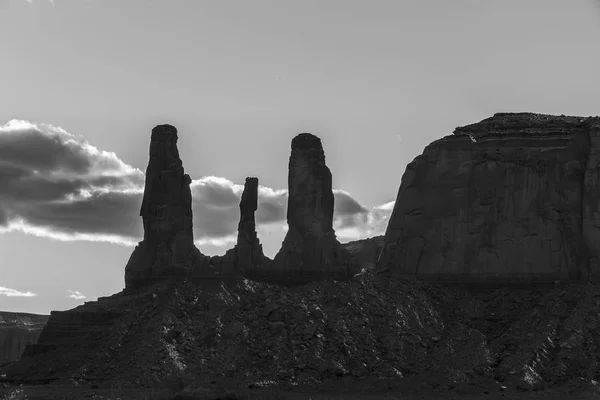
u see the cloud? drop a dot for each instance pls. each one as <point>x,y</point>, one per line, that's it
<point>346,205</point>
<point>4,291</point>
<point>364,225</point>
<point>75,295</point>
<point>54,184</point>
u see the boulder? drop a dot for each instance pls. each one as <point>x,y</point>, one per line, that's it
<point>168,247</point>
<point>310,249</point>
<point>513,199</point>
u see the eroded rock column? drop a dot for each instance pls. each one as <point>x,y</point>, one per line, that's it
<point>168,247</point>
<point>247,257</point>
<point>310,249</point>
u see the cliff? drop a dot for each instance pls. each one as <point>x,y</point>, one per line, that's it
<point>18,330</point>
<point>513,199</point>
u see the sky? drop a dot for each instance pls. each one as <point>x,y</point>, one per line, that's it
<point>83,82</point>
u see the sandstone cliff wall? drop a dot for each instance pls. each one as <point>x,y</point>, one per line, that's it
<point>511,199</point>
<point>17,330</point>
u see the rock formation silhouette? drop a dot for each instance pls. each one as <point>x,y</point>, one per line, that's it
<point>168,247</point>
<point>513,199</point>
<point>247,257</point>
<point>310,249</point>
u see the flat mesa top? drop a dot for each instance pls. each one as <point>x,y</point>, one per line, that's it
<point>530,123</point>
<point>164,133</point>
<point>306,141</point>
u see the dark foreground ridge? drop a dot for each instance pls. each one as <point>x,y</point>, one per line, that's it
<point>510,200</point>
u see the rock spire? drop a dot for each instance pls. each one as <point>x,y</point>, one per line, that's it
<point>310,249</point>
<point>168,247</point>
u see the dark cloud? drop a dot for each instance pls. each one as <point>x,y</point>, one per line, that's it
<point>346,205</point>
<point>216,206</point>
<point>271,211</point>
<point>35,188</point>
<point>108,213</point>
<point>3,217</point>
<point>217,193</point>
<point>360,226</point>
<point>56,185</point>
<point>25,144</point>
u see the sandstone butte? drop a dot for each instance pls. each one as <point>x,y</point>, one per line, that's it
<point>513,199</point>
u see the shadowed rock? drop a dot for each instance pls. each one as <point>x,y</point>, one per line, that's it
<point>310,249</point>
<point>18,330</point>
<point>513,199</point>
<point>247,257</point>
<point>365,251</point>
<point>250,255</point>
<point>168,247</point>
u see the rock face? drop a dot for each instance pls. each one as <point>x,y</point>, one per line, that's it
<point>310,249</point>
<point>17,330</point>
<point>249,251</point>
<point>365,251</point>
<point>512,199</point>
<point>168,247</point>
<point>247,257</point>
<point>81,326</point>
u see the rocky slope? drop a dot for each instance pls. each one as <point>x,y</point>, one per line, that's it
<point>513,199</point>
<point>18,330</point>
<point>376,326</point>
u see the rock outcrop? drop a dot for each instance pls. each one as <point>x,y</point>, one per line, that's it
<point>168,247</point>
<point>247,257</point>
<point>365,251</point>
<point>17,330</point>
<point>310,249</point>
<point>513,199</point>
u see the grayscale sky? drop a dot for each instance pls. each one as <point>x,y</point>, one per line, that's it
<point>377,80</point>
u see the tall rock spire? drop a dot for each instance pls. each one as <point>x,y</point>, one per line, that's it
<point>310,249</point>
<point>168,247</point>
<point>249,252</point>
<point>247,257</point>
